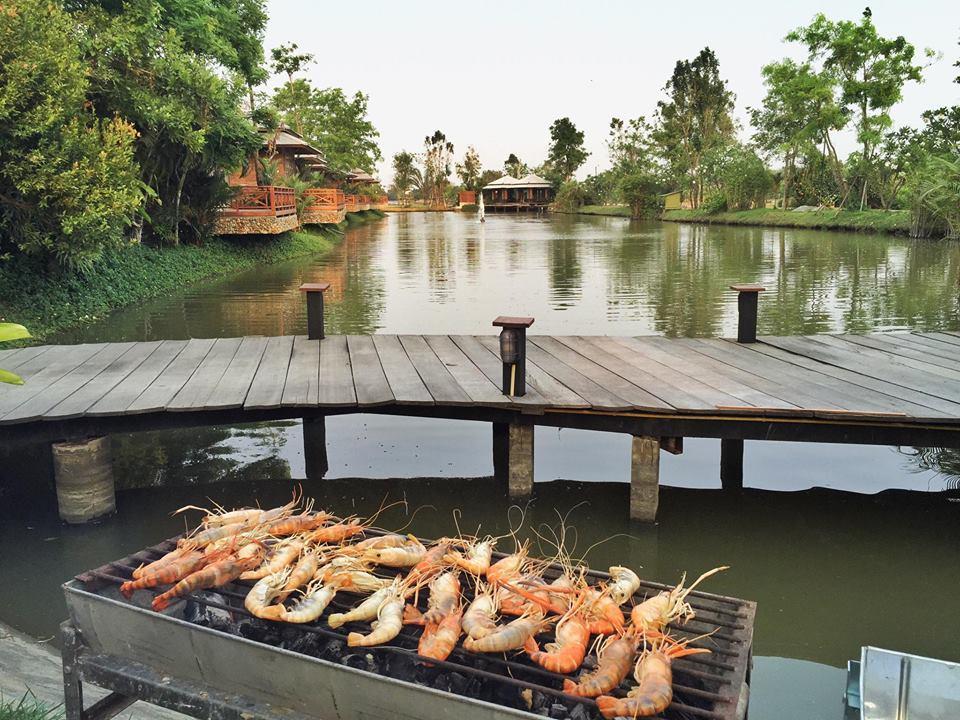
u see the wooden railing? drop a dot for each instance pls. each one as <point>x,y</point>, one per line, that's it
<point>350,201</point>
<point>325,199</point>
<point>262,200</point>
<point>364,200</point>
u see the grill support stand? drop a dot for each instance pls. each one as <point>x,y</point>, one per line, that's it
<point>644,478</point>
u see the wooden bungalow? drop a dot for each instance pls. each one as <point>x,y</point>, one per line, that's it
<point>531,192</point>
<point>258,207</point>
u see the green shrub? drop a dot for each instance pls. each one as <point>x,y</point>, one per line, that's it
<point>714,203</point>
<point>469,207</point>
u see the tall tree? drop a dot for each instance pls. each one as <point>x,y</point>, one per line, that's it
<point>469,170</point>
<point>333,122</point>
<point>296,93</point>
<point>566,153</point>
<point>871,71</point>
<point>695,118</point>
<point>797,116</point>
<point>514,166</point>
<point>437,166</point>
<point>406,175</point>
<point>188,119</point>
<point>636,172</point>
<point>68,180</point>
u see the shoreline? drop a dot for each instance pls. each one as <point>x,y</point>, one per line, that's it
<point>890,222</point>
<point>47,304</point>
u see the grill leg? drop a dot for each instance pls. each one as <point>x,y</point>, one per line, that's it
<point>644,478</point>
<point>72,686</point>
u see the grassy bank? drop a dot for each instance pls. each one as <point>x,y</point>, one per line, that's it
<point>27,708</point>
<point>877,221</point>
<point>47,303</point>
<point>614,210</point>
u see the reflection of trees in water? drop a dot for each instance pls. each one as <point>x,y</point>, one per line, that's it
<point>823,281</point>
<point>565,273</point>
<point>943,461</point>
<point>198,456</point>
<point>358,308</point>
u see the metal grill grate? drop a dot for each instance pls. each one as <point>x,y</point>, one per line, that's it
<point>705,686</point>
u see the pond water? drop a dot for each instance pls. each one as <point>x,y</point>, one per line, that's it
<point>826,538</point>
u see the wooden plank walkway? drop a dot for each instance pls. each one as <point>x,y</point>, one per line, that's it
<point>903,379</point>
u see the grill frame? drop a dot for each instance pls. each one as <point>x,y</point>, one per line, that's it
<point>113,629</point>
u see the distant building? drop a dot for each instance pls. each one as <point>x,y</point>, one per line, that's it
<point>676,201</point>
<point>292,154</point>
<point>467,197</point>
<point>530,192</point>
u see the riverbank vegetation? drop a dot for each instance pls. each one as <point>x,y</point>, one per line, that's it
<point>47,303</point>
<point>691,154</point>
<point>897,222</point>
<point>120,122</point>
<point>28,708</point>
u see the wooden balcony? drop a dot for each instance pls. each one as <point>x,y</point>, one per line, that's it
<point>352,203</point>
<point>258,210</point>
<point>328,206</point>
<point>261,201</point>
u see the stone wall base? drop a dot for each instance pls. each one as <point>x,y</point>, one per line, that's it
<point>232,225</point>
<point>324,217</point>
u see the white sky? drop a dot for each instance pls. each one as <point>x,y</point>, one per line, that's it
<point>495,74</point>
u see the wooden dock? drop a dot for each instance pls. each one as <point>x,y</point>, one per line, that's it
<point>889,389</point>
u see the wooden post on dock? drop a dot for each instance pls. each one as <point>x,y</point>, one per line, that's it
<point>747,311</point>
<point>315,460</point>
<point>513,353</point>
<point>314,292</point>
<point>520,460</point>
<point>644,478</point>
<point>731,464</point>
<point>83,471</point>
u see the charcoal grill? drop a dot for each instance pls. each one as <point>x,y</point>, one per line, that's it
<point>207,657</point>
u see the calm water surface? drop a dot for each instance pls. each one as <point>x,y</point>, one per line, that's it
<point>825,538</point>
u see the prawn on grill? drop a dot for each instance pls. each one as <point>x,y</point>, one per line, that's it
<point>656,612</point>
<point>165,574</point>
<point>615,657</point>
<point>213,575</point>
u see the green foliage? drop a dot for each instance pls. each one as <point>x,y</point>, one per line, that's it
<point>437,166</point>
<point>714,203</point>
<point>696,117</point>
<point>934,192</point>
<point>287,61</point>
<point>870,72</point>
<point>570,196</point>
<point>68,183</point>
<point>641,191</point>
<point>566,153</point>
<point>333,122</point>
<point>8,332</point>
<point>28,708</point>
<point>131,274</point>
<point>514,167</point>
<point>469,170</point>
<point>407,177</point>
<point>600,188</point>
<point>469,208</point>
<point>871,221</point>
<point>740,175</point>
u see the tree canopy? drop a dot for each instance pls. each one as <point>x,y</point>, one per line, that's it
<point>566,153</point>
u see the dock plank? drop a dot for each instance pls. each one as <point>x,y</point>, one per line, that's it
<point>41,403</point>
<point>336,375</point>
<point>12,359</point>
<point>888,394</point>
<point>77,404</point>
<point>43,370</point>
<point>161,391</point>
<point>923,358</point>
<point>612,382</point>
<point>301,387</point>
<point>597,396</point>
<point>199,388</point>
<point>119,398</point>
<point>402,377</point>
<point>470,378</point>
<point>232,388</point>
<point>866,364</point>
<point>444,389</point>
<point>266,388</point>
<point>369,380</point>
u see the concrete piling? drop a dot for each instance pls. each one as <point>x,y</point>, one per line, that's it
<point>83,472</point>
<point>644,478</point>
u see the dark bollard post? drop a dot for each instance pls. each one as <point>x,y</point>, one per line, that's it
<point>731,464</point>
<point>747,311</point>
<point>513,353</point>
<point>314,293</point>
